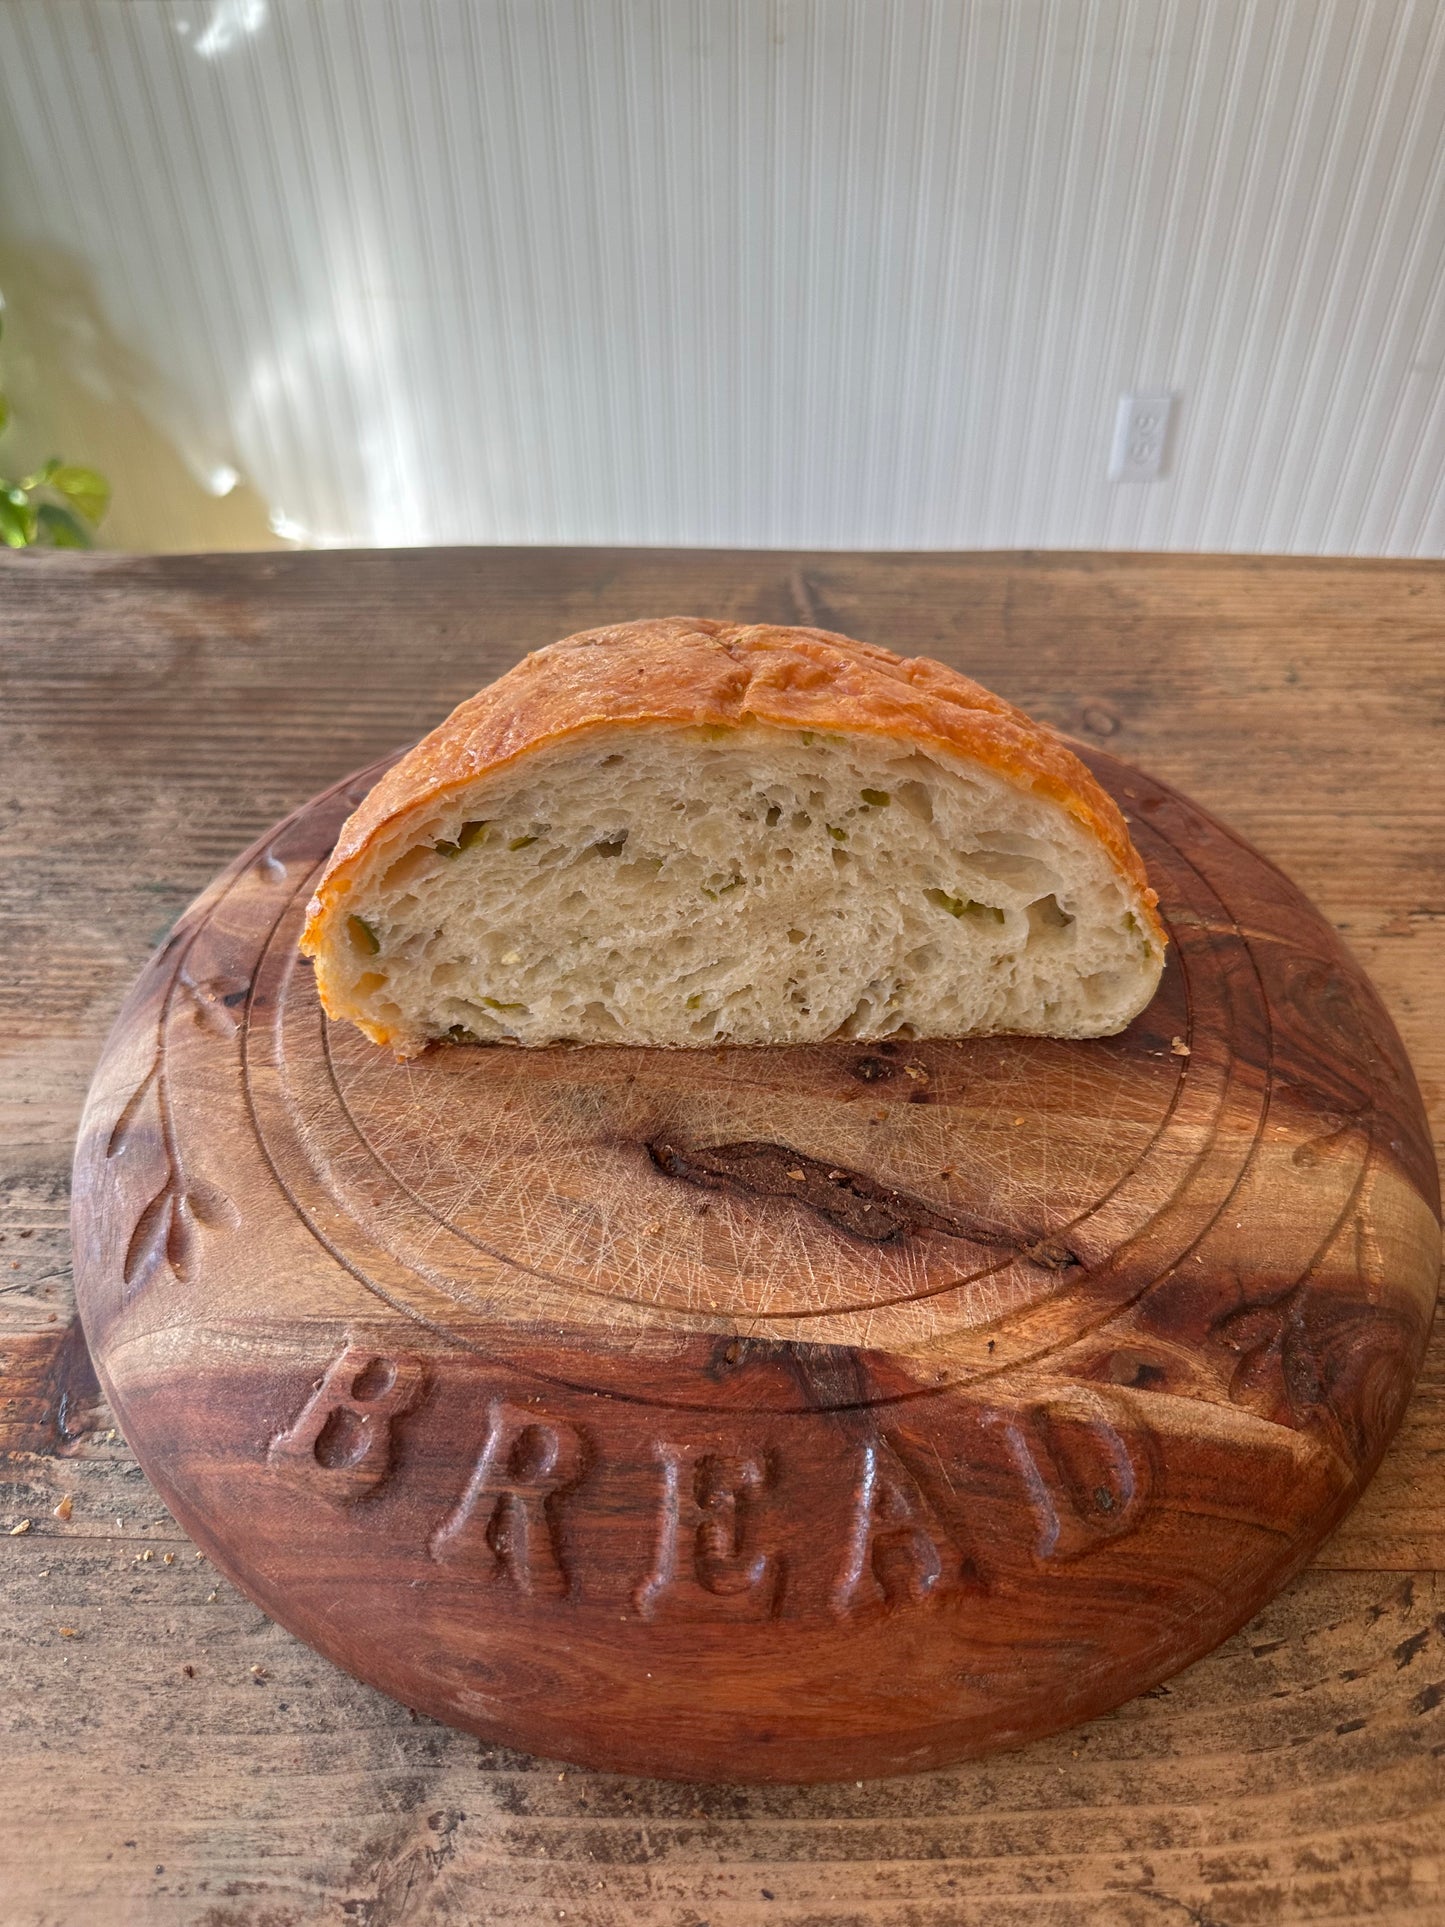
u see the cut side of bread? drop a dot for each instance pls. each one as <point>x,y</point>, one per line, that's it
<point>666,879</point>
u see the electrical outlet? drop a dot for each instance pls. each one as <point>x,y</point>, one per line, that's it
<point>1141,435</point>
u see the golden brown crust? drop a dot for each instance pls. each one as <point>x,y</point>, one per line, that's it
<point>686,670</point>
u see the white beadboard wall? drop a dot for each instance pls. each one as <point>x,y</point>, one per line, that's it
<point>858,273</point>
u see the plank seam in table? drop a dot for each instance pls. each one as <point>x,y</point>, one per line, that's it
<point>1296,1774</point>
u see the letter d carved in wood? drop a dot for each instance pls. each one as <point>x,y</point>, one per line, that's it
<point>1087,1466</point>
<point>340,1443</point>
<point>504,1522</point>
<point>703,1562</point>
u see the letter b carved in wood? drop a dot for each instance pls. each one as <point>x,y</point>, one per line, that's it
<point>340,1443</point>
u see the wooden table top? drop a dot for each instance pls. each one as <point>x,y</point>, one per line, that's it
<point>172,1757</point>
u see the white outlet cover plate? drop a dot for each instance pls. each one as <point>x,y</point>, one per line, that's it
<point>1141,437</point>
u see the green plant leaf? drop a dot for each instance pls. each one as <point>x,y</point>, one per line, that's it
<point>61,528</point>
<point>41,476</point>
<point>17,519</point>
<point>87,493</point>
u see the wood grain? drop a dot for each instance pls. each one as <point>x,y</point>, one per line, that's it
<point>802,1414</point>
<point>1300,1780</point>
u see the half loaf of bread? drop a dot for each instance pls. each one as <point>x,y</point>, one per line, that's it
<point>690,833</point>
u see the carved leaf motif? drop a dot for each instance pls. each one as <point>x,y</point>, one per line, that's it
<point>181,1240</point>
<point>150,1242</point>
<point>1256,1333</point>
<point>168,1232</point>
<point>210,1206</point>
<point>1317,1359</point>
<point>1247,1330</point>
<point>124,1124</point>
<point>1279,1369</point>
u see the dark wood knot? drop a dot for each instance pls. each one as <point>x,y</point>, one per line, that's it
<point>847,1199</point>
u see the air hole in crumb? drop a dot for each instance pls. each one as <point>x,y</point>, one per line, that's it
<point>609,845</point>
<point>601,1016</point>
<point>1103,986</point>
<point>916,799</point>
<point>856,1020</point>
<point>1015,871</point>
<point>1046,914</point>
<point>405,868</point>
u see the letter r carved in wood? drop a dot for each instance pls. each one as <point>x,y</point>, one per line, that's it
<point>340,1443</point>
<point>504,1522</point>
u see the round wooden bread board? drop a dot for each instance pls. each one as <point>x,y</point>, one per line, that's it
<point>793,1414</point>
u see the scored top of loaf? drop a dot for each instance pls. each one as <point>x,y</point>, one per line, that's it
<point>686,670</point>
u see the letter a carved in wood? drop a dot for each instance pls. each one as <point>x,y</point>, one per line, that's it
<point>503,1523</point>
<point>898,1548</point>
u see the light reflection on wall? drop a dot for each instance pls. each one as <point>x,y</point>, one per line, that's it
<point>789,272</point>
<point>343,353</point>
<point>229,21</point>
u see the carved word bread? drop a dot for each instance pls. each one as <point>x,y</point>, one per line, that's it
<point>683,832</point>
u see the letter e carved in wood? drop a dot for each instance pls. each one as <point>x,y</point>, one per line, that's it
<point>703,1562</point>
<point>340,1443</point>
<point>504,1522</point>
<point>1087,1466</point>
<point>898,1548</point>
